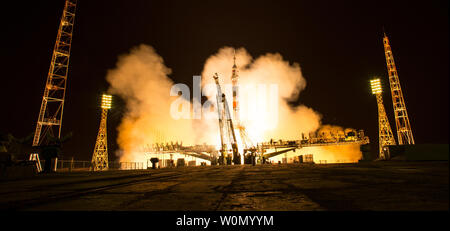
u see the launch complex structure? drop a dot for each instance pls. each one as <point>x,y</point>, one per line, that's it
<point>404,131</point>
<point>49,123</point>
<point>229,127</point>
<point>50,117</point>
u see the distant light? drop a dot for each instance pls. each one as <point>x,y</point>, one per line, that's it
<point>376,86</point>
<point>106,101</point>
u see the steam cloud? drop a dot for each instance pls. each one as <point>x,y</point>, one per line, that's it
<point>141,79</point>
<point>269,69</point>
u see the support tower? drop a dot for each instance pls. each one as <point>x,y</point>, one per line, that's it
<point>386,137</point>
<point>404,132</point>
<point>51,112</point>
<point>226,128</point>
<point>100,156</point>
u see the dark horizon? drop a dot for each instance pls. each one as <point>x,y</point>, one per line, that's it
<point>338,46</point>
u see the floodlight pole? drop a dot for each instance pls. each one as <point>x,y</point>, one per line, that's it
<point>100,156</point>
<point>386,137</point>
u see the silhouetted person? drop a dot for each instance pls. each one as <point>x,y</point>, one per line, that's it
<point>253,159</point>
<point>154,161</point>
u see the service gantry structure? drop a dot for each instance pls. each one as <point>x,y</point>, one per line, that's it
<point>52,106</point>
<point>226,129</point>
<point>404,132</point>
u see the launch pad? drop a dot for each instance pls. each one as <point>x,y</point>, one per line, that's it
<point>172,154</point>
<point>383,186</point>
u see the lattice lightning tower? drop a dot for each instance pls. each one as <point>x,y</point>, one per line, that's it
<point>404,132</point>
<point>100,156</point>
<point>386,137</point>
<point>51,112</point>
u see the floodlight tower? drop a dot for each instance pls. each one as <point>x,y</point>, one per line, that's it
<point>404,132</point>
<point>100,156</point>
<point>386,137</point>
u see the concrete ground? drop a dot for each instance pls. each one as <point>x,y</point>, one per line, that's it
<point>364,186</point>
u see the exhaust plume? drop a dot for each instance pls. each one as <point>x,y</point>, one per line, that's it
<point>142,80</point>
<point>281,122</point>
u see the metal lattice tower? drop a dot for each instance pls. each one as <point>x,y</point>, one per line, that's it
<point>404,132</point>
<point>226,128</point>
<point>100,156</point>
<point>51,112</point>
<point>386,137</point>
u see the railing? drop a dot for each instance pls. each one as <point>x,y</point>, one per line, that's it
<point>77,165</point>
<point>312,142</point>
<point>130,165</point>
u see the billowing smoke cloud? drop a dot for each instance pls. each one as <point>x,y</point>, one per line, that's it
<point>276,119</point>
<point>141,79</point>
<point>334,132</point>
<point>337,153</point>
<point>325,154</point>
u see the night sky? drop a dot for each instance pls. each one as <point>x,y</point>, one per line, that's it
<point>338,45</point>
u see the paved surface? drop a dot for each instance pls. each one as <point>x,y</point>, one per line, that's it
<point>368,186</point>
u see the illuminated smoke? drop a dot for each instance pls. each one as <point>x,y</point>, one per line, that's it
<point>336,153</point>
<point>269,69</point>
<point>349,153</point>
<point>292,121</point>
<point>141,79</point>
